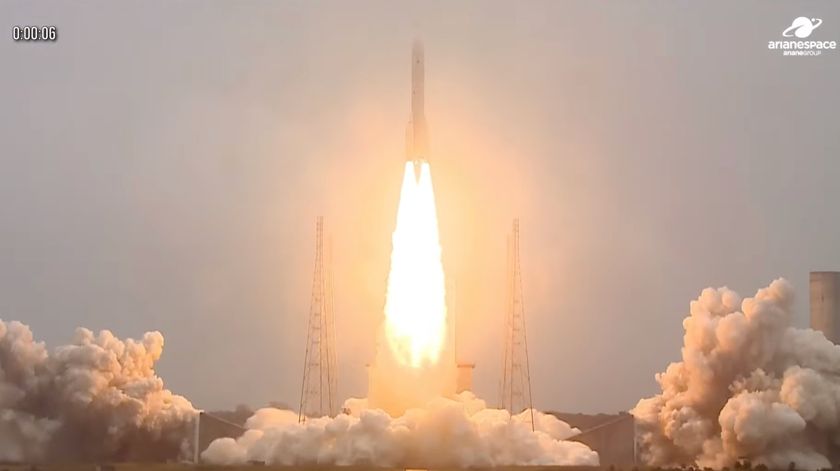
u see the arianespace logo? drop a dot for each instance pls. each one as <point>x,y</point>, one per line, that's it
<point>802,28</point>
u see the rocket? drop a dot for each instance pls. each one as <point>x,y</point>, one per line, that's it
<point>416,134</point>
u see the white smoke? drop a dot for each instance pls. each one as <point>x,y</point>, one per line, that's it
<point>749,386</point>
<point>459,432</point>
<point>95,399</point>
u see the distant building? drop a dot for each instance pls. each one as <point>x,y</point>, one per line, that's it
<point>613,436</point>
<point>825,303</point>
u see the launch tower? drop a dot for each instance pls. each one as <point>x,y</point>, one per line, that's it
<point>318,393</point>
<point>515,390</point>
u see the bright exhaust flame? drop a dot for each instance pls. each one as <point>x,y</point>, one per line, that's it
<point>415,306</point>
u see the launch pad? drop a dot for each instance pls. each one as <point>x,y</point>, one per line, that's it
<point>263,467</point>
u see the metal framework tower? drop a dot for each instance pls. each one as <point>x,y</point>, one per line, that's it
<point>515,390</point>
<point>318,392</point>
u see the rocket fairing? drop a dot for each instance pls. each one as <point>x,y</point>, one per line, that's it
<point>416,134</point>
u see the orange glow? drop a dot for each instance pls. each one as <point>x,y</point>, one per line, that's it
<point>415,306</point>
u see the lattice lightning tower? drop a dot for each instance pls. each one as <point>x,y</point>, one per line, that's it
<point>515,390</point>
<point>318,393</point>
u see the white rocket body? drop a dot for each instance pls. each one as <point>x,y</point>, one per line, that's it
<point>416,134</point>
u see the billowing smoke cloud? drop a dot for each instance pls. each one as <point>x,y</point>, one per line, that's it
<point>95,399</point>
<point>460,432</point>
<point>749,386</point>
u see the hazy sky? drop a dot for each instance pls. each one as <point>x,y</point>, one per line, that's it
<point>162,165</point>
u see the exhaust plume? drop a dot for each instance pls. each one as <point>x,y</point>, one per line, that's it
<point>749,386</point>
<point>414,362</point>
<point>415,305</point>
<point>95,399</point>
<point>459,432</point>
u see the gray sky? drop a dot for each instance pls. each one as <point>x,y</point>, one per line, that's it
<point>162,164</point>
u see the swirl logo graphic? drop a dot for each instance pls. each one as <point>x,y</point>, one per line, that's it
<point>802,27</point>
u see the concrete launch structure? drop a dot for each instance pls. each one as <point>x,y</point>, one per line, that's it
<point>207,428</point>
<point>463,380</point>
<point>613,436</point>
<point>825,303</point>
<point>416,133</point>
